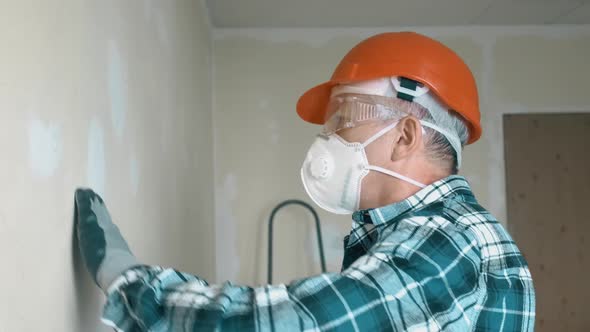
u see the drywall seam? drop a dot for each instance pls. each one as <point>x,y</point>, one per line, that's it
<point>148,9</point>
<point>207,16</point>
<point>216,238</point>
<point>95,167</point>
<point>226,229</point>
<point>495,174</point>
<point>134,174</point>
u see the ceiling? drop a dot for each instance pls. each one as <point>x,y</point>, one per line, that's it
<point>382,13</point>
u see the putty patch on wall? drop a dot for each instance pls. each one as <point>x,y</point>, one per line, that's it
<point>117,87</point>
<point>45,147</point>
<point>95,169</point>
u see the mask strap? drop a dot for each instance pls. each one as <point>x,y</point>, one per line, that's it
<point>396,175</point>
<point>379,134</point>
<point>453,139</point>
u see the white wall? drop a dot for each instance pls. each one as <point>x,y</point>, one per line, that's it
<point>115,95</point>
<point>260,142</point>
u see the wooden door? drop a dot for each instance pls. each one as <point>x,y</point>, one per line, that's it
<point>548,200</point>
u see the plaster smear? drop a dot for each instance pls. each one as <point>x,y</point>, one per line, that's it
<point>273,125</point>
<point>158,17</point>
<point>274,129</point>
<point>162,29</point>
<point>95,169</point>
<point>45,147</point>
<point>117,87</point>
<point>228,263</point>
<point>134,174</point>
<point>2,223</point>
<point>148,8</point>
<point>166,121</point>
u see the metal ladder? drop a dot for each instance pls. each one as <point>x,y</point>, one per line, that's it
<point>270,233</point>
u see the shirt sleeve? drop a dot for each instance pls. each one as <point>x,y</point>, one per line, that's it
<point>415,278</point>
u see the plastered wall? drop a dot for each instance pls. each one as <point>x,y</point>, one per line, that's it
<point>115,95</point>
<point>260,142</point>
<point>137,101</point>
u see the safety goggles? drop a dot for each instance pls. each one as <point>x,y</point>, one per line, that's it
<point>354,110</point>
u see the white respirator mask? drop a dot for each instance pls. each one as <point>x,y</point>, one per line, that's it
<point>334,169</point>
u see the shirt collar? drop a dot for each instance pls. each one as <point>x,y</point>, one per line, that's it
<point>453,185</point>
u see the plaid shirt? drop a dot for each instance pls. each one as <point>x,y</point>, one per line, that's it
<point>435,261</point>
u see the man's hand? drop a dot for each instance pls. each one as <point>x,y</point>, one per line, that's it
<point>105,252</point>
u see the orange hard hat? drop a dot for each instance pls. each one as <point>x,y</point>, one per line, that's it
<point>406,54</point>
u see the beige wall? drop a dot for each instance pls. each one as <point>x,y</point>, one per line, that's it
<point>115,95</point>
<point>260,142</point>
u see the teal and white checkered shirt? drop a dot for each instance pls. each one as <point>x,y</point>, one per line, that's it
<point>436,261</point>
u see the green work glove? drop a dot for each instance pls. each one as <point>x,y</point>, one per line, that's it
<point>104,251</point>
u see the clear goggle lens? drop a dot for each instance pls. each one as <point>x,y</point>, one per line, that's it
<point>353,110</point>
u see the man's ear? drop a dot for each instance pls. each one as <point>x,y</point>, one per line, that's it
<point>408,139</point>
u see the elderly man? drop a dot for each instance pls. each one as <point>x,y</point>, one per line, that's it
<point>422,254</point>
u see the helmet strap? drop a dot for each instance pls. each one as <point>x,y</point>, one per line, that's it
<point>407,84</point>
<point>408,89</point>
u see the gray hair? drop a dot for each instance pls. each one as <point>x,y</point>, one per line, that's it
<point>438,146</point>
<point>451,128</point>
<point>445,132</point>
